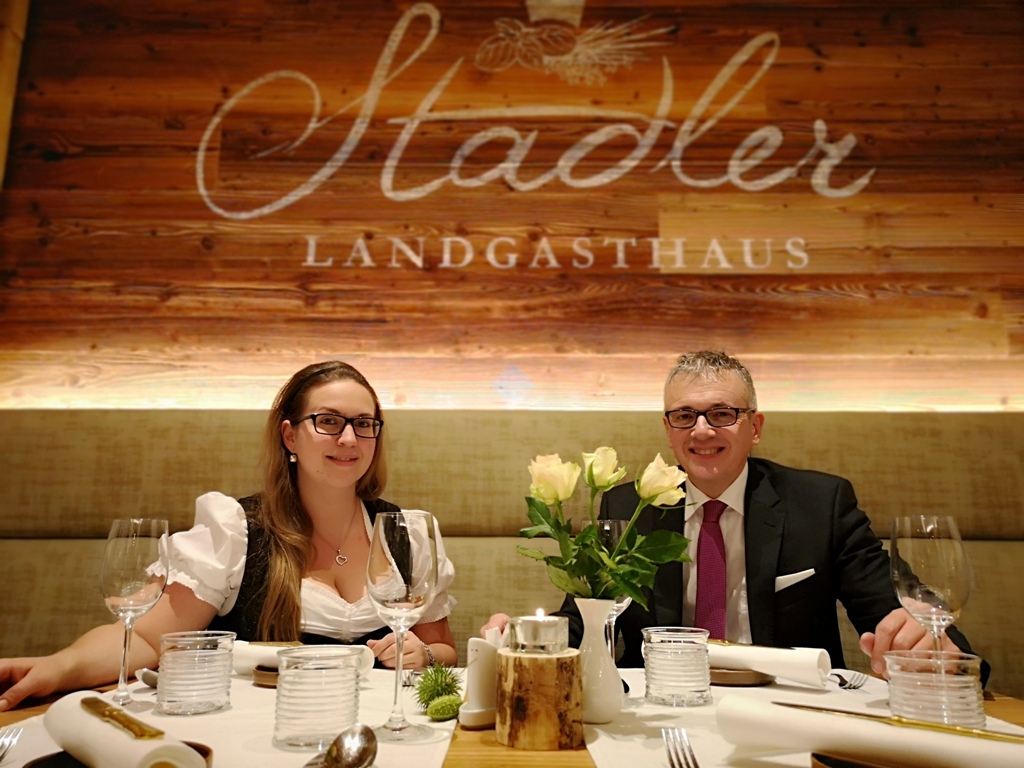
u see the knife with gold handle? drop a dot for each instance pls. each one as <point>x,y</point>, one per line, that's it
<point>107,711</point>
<point>716,641</point>
<point>903,722</point>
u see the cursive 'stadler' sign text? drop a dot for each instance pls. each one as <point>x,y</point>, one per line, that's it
<point>740,171</point>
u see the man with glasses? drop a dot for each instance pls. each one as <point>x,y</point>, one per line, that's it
<point>787,543</point>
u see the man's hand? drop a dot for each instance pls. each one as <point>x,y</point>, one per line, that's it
<point>498,621</point>
<point>898,631</point>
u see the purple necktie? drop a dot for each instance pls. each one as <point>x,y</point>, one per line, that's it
<point>710,608</point>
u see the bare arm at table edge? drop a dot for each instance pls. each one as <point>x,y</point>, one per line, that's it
<point>95,658</point>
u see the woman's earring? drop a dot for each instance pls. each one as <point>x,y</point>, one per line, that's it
<point>293,458</point>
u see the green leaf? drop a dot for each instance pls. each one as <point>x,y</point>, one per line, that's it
<point>538,512</point>
<point>566,584</point>
<point>587,536</point>
<point>634,591</point>
<point>536,554</point>
<point>663,547</point>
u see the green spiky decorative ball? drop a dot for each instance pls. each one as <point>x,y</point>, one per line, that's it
<point>444,707</point>
<point>436,681</point>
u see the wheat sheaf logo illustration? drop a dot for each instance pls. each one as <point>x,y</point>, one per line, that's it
<point>584,57</point>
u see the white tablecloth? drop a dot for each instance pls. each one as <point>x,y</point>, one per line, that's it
<point>634,737</point>
<point>241,735</point>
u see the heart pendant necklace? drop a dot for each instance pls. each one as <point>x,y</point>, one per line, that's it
<point>339,558</point>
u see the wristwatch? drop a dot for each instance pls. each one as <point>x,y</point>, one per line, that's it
<point>431,659</point>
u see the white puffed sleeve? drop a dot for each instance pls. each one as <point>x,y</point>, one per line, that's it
<point>209,558</point>
<point>442,603</point>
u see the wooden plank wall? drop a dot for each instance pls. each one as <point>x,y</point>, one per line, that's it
<point>13,17</point>
<point>500,204</point>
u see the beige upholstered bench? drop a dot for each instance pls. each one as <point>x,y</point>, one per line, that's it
<point>61,487</point>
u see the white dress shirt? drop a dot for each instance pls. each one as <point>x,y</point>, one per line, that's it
<point>737,619</point>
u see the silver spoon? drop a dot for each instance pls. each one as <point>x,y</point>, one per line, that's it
<point>147,676</point>
<point>355,747</point>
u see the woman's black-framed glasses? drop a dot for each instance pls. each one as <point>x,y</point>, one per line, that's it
<point>335,423</point>
<point>686,418</point>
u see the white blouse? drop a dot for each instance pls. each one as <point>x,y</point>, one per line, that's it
<point>209,559</point>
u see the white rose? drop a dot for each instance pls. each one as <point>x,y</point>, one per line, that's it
<point>660,483</point>
<point>553,479</point>
<point>600,470</point>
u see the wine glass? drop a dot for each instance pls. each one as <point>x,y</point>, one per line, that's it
<point>401,576</point>
<point>608,533</point>
<point>930,570</point>
<point>132,579</point>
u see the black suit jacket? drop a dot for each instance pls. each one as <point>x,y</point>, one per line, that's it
<point>794,520</point>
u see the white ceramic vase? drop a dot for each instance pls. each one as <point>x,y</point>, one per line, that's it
<point>602,685</point>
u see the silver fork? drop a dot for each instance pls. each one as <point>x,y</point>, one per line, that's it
<point>8,738</point>
<point>851,681</point>
<point>677,745</point>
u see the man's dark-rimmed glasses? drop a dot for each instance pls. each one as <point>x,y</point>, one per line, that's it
<point>686,418</point>
<point>334,424</point>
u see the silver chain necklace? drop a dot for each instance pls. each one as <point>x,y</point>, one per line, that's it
<point>339,558</point>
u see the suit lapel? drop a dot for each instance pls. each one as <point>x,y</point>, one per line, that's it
<point>764,524</point>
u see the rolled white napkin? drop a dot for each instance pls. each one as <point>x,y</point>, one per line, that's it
<point>754,725</point>
<point>809,666</point>
<point>247,656</point>
<point>100,744</point>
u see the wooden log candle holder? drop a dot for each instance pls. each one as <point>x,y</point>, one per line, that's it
<point>539,700</point>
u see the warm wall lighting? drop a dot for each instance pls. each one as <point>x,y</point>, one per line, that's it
<point>566,383</point>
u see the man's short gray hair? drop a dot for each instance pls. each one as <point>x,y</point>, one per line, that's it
<point>712,364</point>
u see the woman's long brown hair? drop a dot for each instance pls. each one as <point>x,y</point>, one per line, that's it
<point>287,527</point>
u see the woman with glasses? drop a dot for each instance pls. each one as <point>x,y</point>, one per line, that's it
<point>285,564</point>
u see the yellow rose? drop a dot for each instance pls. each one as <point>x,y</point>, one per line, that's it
<point>600,470</point>
<point>553,479</point>
<point>660,483</point>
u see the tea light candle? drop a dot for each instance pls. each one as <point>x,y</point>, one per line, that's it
<point>539,634</point>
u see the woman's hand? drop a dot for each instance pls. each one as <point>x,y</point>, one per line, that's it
<point>414,655</point>
<point>94,658</point>
<point>30,676</point>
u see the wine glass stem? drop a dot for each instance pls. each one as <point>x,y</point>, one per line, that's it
<point>937,640</point>
<point>397,721</point>
<point>609,634</point>
<point>122,697</point>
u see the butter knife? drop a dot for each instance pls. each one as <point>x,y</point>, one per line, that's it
<point>904,722</point>
<point>104,710</point>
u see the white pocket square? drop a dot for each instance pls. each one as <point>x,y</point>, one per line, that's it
<point>781,582</point>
